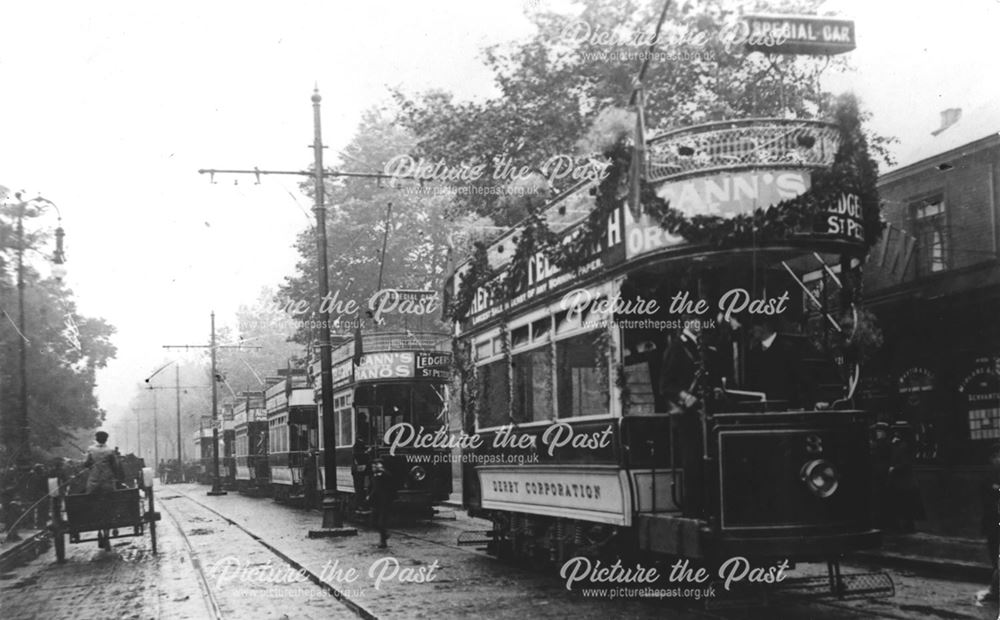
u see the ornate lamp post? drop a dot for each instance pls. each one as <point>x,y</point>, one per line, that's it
<point>58,258</point>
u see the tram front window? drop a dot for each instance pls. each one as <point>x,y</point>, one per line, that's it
<point>735,351</point>
<point>380,407</point>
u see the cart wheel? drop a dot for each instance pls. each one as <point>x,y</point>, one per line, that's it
<point>60,542</point>
<point>152,535</point>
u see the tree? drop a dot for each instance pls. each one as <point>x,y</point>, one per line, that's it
<point>65,349</point>
<point>416,248</point>
<point>556,85</point>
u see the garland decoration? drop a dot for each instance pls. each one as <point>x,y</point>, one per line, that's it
<point>468,386</point>
<point>854,171</point>
<point>480,274</point>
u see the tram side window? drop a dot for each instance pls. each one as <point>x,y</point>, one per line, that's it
<point>494,394</point>
<point>532,372</point>
<point>581,382</point>
<point>342,411</point>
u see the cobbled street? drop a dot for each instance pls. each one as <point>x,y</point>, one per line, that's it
<point>218,564</point>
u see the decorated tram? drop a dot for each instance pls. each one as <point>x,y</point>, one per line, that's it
<point>673,375</point>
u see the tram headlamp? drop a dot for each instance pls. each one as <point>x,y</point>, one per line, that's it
<point>418,473</point>
<point>820,477</point>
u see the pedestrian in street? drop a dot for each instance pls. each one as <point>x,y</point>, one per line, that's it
<point>39,488</point>
<point>881,453</point>
<point>310,480</point>
<point>103,464</point>
<point>383,494</point>
<point>360,473</point>
<point>990,493</point>
<point>9,508</point>
<point>904,493</point>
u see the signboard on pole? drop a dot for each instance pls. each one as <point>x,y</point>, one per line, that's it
<point>799,34</point>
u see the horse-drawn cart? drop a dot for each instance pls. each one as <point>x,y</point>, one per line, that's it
<point>111,514</point>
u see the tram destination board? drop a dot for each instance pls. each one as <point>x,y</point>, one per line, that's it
<point>799,34</point>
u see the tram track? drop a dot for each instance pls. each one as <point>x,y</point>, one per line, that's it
<point>209,597</point>
<point>353,606</point>
<point>838,609</point>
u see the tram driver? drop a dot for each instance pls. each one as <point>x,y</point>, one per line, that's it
<point>776,366</point>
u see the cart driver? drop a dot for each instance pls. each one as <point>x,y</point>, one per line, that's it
<point>103,465</point>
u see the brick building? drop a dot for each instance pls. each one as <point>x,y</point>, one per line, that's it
<point>934,284</point>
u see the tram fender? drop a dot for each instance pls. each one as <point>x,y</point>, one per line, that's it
<point>670,534</point>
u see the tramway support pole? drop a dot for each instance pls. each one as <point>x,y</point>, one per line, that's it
<point>216,483</point>
<point>333,516</point>
<point>213,347</point>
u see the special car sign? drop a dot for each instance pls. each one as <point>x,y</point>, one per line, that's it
<point>799,34</point>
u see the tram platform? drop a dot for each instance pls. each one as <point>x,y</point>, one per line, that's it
<point>950,557</point>
<point>947,556</point>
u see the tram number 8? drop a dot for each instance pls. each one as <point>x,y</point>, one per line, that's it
<point>814,444</point>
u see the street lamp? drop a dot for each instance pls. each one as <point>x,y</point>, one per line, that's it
<point>59,258</point>
<point>177,388</point>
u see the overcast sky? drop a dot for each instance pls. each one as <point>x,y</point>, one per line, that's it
<point>109,110</point>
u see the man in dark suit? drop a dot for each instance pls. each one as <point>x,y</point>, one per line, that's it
<point>775,366</point>
<point>680,373</point>
<point>681,360</point>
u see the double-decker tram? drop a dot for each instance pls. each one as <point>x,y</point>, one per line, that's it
<point>385,393</point>
<point>673,396</point>
<point>204,441</point>
<point>253,474</point>
<point>292,422</point>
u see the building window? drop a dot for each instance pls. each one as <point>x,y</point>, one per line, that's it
<point>931,233</point>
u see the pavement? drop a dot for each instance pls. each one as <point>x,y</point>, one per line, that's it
<point>959,558</point>
<point>29,544</point>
